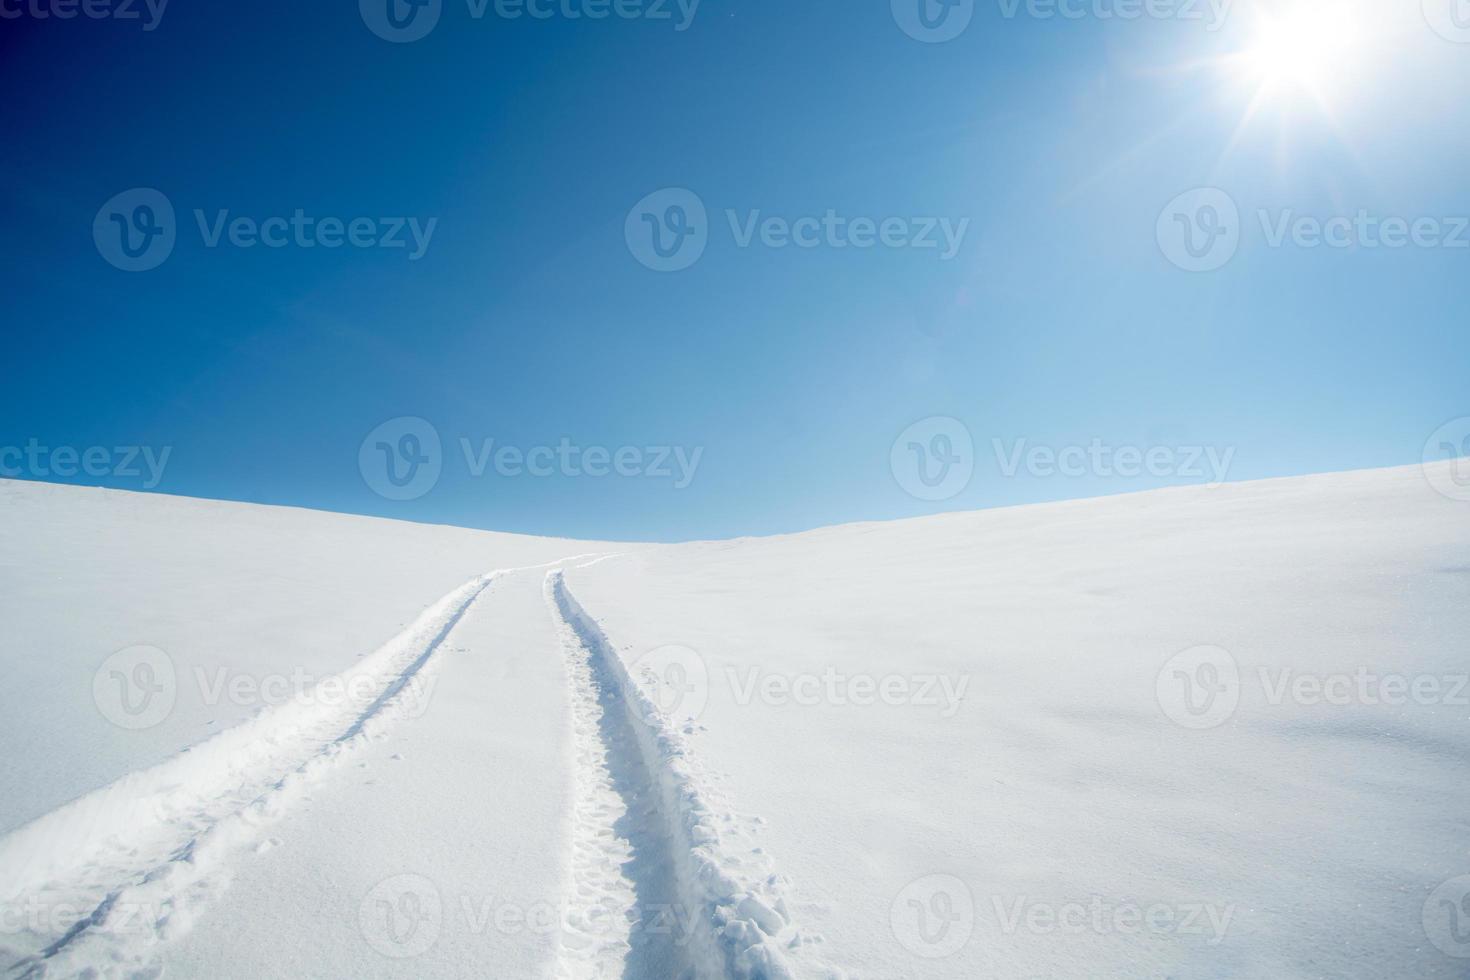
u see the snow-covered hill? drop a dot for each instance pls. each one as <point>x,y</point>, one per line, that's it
<point>1191,733</point>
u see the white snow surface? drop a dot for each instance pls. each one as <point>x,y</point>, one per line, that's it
<point>1190,733</point>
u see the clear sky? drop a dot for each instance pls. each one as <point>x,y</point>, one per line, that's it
<point>1043,156</point>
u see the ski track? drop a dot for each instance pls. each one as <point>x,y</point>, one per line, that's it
<point>147,851</point>
<point>598,912</point>
<point>660,882</point>
<point>705,903</point>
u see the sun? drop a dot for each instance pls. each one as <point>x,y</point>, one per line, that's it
<point>1308,47</point>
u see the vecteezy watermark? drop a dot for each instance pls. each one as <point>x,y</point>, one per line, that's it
<point>39,915</point>
<point>669,230</point>
<point>1362,230</point>
<point>933,459</point>
<point>933,916</point>
<point>1446,461</point>
<point>139,687</point>
<point>1447,917</point>
<point>1363,686</point>
<point>149,13</point>
<point>937,21</point>
<point>401,21</point>
<point>676,679</point>
<point>136,687</point>
<point>1201,230</point>
<point>833,230</point>
<point>1201,688</point>
<point>404,21</point>
<point>403,458</point>
<point>301,230</point>
<point>1212,13</point>
<point>677,464</point>
<point>136,230</point>
<point>403,917</point>
<point>1100,459</point>
<point>933,21</point>
<point>1450,19</point>
<point>299,686</point>
<point>832,687</point>
<point>36,460</point>
<point>1107,917</point>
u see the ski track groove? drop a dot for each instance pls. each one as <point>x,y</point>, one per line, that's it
<point>694,915</point>
<point>597,918</point>
<point>146,851</point>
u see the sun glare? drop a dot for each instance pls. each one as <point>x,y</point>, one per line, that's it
<point>1305,47</point>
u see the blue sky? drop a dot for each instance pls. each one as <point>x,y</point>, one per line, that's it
<point>787,372</point>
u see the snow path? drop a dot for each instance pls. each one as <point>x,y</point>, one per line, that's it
<point>144,853</point>
<point>441,850</point>
<point>651,882</point>
<point>621,913</point>
<point>694,914</point>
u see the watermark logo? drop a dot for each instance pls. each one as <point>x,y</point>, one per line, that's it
<point>40,915</point>
<point>135,230</point>
<point>148,12</point>
<point>933,917</point>
<point>136,687</point>
<point>1363,229</point>
<point>567,458</point>
<point>403,21</point>
<point>1199,231</point>
<point>357,690</point>
<point>933,21</point>
<point>676,679</point>
<point>37,460</point>
<point>942,692</point>
<point>400,21</point>
<point>837,231</point>
<point>933,459</point>
<point>1101,459</point>
<point>1199,688</point>
<point>401,459</point>
<point>1447,917</point>
<point>1362,686</point>
<point>401,916</point>
<point>668,230</point>
<point>1450,19</point>
<point>302,230</point>
<point>1103,917</point>
<point>1446,461</point>
<point>1214,13</point>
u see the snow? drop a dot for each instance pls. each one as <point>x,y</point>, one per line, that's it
<point>1061,804</point>
<point>1190,733</point>
<point>263,591</point>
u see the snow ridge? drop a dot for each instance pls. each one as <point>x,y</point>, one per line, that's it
<point>724,927</point>
<point>144,852</point>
